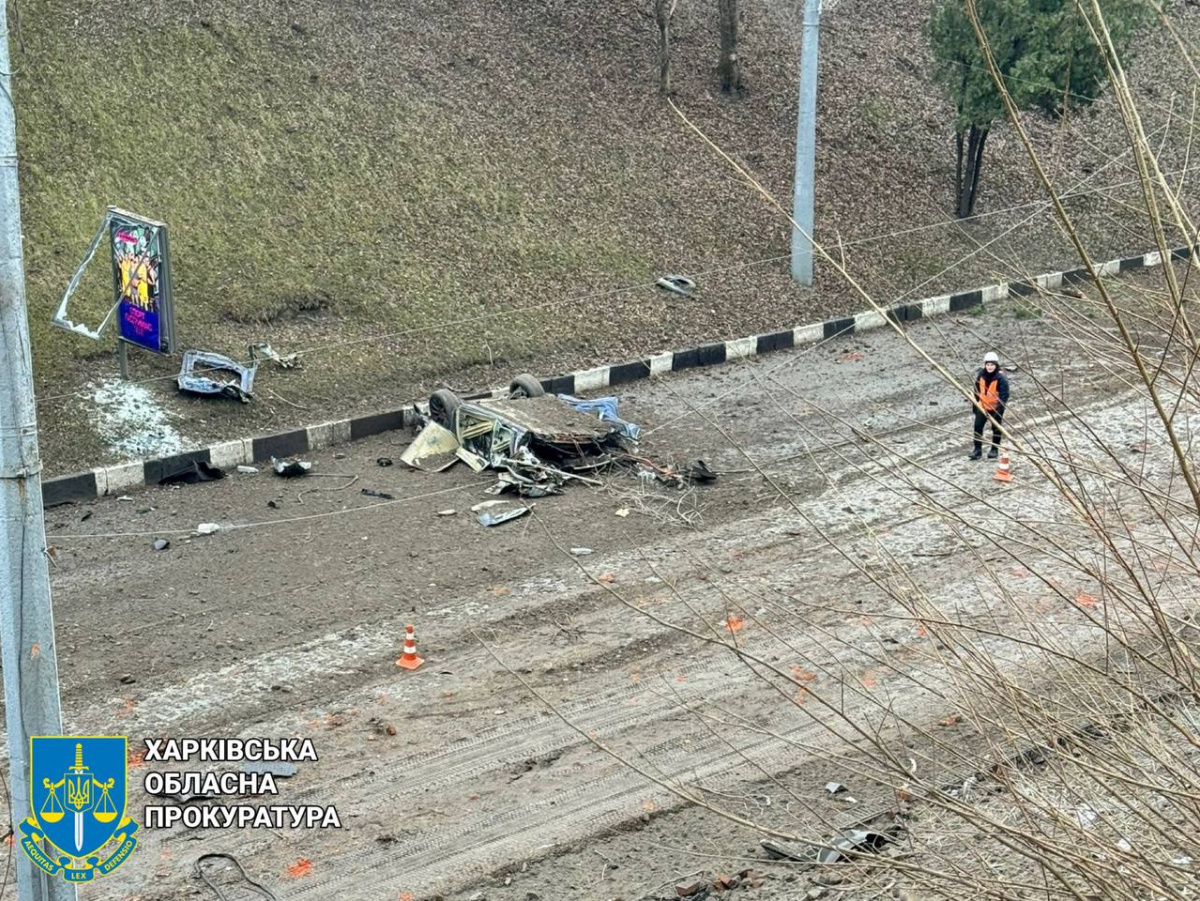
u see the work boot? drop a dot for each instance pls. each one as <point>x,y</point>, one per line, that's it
<point>975,455</point>
<point>993,454</point>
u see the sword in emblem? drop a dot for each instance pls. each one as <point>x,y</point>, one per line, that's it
<point>82,794</point>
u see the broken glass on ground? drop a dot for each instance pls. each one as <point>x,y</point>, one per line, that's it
<point>214,374</point>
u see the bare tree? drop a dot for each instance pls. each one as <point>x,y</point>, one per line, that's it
<point>730,68</point>
<point>663,11</point>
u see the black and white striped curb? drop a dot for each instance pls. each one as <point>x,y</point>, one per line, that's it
<point>126,477</point>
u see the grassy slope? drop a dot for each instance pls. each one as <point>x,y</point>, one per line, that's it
<point>336,172</point>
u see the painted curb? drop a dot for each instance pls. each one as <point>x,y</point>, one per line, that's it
<point>126,477</point>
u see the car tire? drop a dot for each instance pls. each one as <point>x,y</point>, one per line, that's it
<point>443,405</point>
<point>525,385</point>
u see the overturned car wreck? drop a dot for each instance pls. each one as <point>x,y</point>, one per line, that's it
<point>536,441</point>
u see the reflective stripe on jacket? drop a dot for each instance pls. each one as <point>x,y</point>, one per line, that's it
<point>992,395</point>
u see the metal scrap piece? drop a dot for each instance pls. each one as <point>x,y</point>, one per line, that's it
<point>489,519</point>
<point>433,450</point>
<point>677,284</point>
<point>242,387</point>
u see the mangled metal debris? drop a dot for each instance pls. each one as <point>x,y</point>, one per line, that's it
<point>677,284</point>
<point>267,352</point>
<point>213,374</point>
<point>434,449</point>
<point>495,519</point>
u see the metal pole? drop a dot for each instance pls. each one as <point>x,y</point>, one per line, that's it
<point>26,620</point>
<point>806,145</point>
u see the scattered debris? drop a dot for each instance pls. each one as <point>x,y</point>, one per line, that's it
<point>677,284</point>
<point>193,473</point>
<point>238,381</point>
<point>247,470</point>
<point>835,788</point>
<point>854,841</point>
<point>288,361</point>
<point>582,551</point>
<point>371,492</point>
<point>483,505</point>
<point>208,528</point>
<point>446,512</point>
<point>701,473</point>
<point>489,519</point>
<point>383,461</point>
<point>290,469</point>
<point>162,544</point>
<point>433,450</point>
<point>622,512</point>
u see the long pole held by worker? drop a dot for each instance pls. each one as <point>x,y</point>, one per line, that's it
<point>26,619</point>
<point>806,147</point>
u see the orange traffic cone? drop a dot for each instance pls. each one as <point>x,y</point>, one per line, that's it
<point>409,659</point>
<point>1003,468</point>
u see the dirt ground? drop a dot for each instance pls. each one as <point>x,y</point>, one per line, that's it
<point>287,622</point>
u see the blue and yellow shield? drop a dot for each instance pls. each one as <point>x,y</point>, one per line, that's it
<point>78,789</point>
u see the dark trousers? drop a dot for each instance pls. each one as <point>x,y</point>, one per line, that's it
<point>981,423</point>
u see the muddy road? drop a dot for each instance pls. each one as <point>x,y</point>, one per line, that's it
<point>288,621</point>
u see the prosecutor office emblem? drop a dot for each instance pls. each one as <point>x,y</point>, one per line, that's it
<point>78,789</point>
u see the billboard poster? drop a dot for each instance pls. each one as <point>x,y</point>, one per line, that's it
<point>141,277</point>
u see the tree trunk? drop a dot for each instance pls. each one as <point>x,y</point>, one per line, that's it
<point>663,10</point>
<point>730,68</point>
<point>967,170</point>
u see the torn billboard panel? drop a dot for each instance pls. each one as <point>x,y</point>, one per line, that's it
<point>141,277</point>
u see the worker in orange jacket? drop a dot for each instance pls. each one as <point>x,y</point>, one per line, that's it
<point>991,397</point>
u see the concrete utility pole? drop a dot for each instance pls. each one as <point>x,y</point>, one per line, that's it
<point>806,145</point>
<point>26,620</point>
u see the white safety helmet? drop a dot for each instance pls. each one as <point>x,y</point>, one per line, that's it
<point>991,357</point>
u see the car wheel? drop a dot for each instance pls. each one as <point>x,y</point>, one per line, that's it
<point>443,405</point>
<point>525,385</point>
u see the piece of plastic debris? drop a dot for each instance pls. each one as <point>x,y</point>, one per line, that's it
<point>248,470</point>
<point>192,473</point>
<point>125,497</point>
<point>852,841</point>
<point>433,450</point>
<point>606,407</point>
<point>677,284</point>
<point>489,519</point>
<point>290,469</point>
<point>208,528</point>
<point>446,512</point>
<point>371,492</point>
<point>383,461</point>
<point>237,382</point>
<point>285,361</point>
<point>701,473</point>
<point>582,551</point>
<point>835,788</point>
<point>162,544</point>
<point>623,512</point>
<point>483,505</point>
